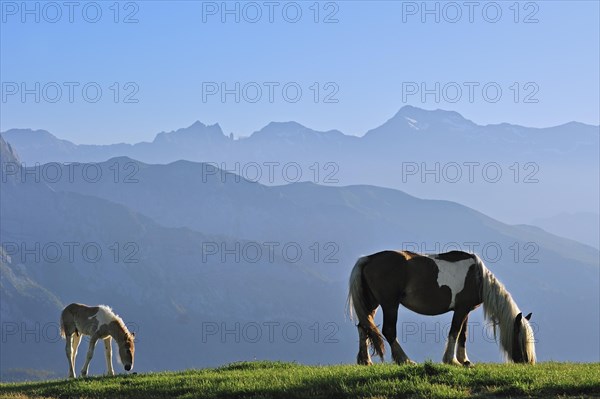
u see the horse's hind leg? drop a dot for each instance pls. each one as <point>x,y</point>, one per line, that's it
<point>69,351</point>
<point>363,356</point>
<point>75,346</point>
<point>390,317</point>
<point>461,349</point>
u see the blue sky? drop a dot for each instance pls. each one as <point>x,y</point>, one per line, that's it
<point>368,61</point>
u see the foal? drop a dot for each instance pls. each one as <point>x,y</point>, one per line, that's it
<point>99,322</point>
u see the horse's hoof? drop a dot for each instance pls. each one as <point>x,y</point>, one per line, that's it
<point>467,364</point>
<point>364,362</point>
<point>452,362</point>
<point>404,362</point>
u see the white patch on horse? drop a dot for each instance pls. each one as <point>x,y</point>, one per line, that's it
<point>453,275</point>
<point>104,315</point>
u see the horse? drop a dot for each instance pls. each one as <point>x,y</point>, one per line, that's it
<point>433,284</point>
<point>98,322</point>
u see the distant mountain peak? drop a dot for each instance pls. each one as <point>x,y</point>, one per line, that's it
<point>199,127</point>
<point>290,130</point>
<point>438,114</point>
<point>123,160</point>
<point>410,119</point>
<point>408,108</point>
<point>576,124</point>
<point>196,130</point>
<point>289,125</point>
<point>196,125</point>
<point>37,133</point>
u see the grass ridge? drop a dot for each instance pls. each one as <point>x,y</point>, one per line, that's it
<point>265,379</point>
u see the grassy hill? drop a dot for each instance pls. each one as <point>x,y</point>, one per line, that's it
<point>290,380</point>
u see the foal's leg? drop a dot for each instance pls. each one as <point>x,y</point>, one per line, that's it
<point>76,341</point>
<point>69,351</point>
<point>457,322</point>
<point>89,355</point>
<point>461,349</point>
<point>108,354</point>
<point>390,317</point>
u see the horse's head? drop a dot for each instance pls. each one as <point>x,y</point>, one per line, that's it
<point>523,348</point>
<point>127,351</point>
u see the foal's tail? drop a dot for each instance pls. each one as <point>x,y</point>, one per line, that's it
<point>62,325</point>
<point>67,317</point>
<point>357,307</point>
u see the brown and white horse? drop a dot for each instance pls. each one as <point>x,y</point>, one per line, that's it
<point>99,322</point>
<point>432,284</point>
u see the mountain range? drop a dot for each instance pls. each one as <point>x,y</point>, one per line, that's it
<point>503,170</point>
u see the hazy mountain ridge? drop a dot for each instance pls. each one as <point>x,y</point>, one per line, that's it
<point>581,226</point>
<point>189,194</point>
<point>409,124</point>
<point>506,171</point>
<point>356,220</point>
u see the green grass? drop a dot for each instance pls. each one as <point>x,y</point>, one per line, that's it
<point>290,380</point>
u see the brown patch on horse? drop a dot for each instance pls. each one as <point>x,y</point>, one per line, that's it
<point>470,296</point>
<point>422,292</point>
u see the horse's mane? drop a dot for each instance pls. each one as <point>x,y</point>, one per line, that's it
<point>116,318</point>
<point>501,309</point>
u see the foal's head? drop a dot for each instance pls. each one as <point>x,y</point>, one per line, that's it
<point>127,350</point>
<point>523,348</point>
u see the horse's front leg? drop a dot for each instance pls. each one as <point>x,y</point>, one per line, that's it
<point>108,354</point>
<point>88,357</point>
<point>461,349</point>
<point>390,318</point>
<point>455,329</point>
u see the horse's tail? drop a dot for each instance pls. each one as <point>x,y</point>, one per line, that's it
<point>62,324</point>
<point>357,307</point>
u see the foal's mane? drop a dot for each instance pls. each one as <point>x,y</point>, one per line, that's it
<point>501,309</point>
<point>115,317</point>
